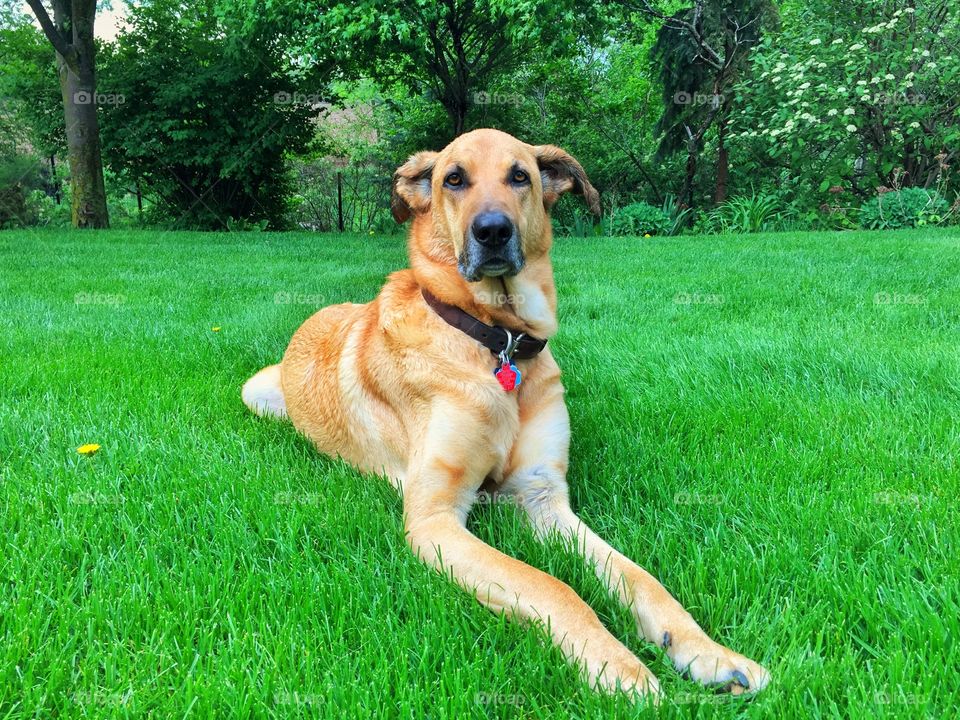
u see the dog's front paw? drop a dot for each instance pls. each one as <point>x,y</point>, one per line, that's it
<point>713,665</point>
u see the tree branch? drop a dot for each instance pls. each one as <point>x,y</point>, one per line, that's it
<point>673,22</point>
<point>53,35</point>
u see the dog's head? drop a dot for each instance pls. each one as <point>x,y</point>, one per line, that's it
<point>489,195</point>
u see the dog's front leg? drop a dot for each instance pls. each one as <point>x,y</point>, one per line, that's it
<point>537,478</point>
<point>454,456</point>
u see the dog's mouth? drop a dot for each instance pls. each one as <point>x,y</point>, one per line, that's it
<point>496,268</point>
<point>475,265</point>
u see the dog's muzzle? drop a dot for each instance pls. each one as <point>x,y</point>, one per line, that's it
<point>492,248</point>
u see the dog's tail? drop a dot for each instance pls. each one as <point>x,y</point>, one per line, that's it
<point>263,393</point>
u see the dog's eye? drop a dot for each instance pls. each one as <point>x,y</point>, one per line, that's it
<point>519,177</point>
<point>453,180</point>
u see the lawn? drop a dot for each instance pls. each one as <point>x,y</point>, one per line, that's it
<point>769,424</point>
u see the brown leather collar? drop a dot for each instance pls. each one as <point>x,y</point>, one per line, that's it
<point>493,337</point>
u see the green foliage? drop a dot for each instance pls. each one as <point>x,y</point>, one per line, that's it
<point>19,175</point>
<point>907,207</point>
<point>18,169</point>
<point>44,211</point>
<point>575,221</point>
<point>697,70</point>
<point>820,109</point>
<point>451,52</point>
<point>13,209</point>
<point>29,88</point>
<point>362,137</point>
<point>851,96</point>
<point>640,219</point>
<point>209,111</point>
<point>678,213</point>
<point>743,214</point>
<point>364,190</point>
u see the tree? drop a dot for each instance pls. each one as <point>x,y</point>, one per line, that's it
<point>210,109</point>
<point>70,32</point>
<point>608,82</point>
<point>454,48</point>
<point>700,51</point>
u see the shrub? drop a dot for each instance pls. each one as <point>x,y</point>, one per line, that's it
<point>746,214</point>
<point>678,213</point>
<point>13,207</point>
<point>640,219</point>
<point>19,174</point>
<point>908,207</point>
<point>576,223</point>
<point>845,96</point>
<point>45,212</point>
<point>365,188</point>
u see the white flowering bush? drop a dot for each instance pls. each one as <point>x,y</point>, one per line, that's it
<point>851,100</point>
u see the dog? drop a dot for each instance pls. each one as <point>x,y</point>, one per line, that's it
<point>445,384</point>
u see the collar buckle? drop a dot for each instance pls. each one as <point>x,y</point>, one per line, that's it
<point>506,355</point>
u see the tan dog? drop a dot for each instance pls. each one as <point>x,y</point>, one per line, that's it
<point>393,388</point>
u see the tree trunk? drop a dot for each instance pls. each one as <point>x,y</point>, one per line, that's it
<point>911,165</point>
<point>723,163</point>
<point>686,193</point>
<point>456,108</point>
<point>53,179</point>
<point>78,87</point>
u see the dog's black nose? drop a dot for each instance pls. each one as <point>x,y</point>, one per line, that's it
<point>492,229</point>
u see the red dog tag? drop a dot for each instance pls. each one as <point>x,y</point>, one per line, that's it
<point>508,375</point>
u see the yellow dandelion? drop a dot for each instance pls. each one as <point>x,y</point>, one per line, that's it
<point>215,328</point>
<point>88,449</point>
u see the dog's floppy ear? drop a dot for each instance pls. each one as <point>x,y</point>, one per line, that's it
<point>411,186</point>
<point>560,173</point>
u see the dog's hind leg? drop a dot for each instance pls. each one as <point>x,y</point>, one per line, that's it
<point>263,393</point>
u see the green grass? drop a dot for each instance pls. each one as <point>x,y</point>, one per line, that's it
<point>781,451</point>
